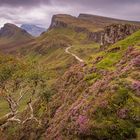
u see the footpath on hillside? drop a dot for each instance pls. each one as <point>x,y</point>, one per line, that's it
<point>74,55</point>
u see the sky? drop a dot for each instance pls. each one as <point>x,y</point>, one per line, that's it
<point>40,12</point>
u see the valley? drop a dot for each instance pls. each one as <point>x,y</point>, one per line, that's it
<point>79,80</point>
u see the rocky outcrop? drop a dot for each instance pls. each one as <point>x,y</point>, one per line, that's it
<point>57,21</point>
<point>113,33</point>
<point>67,21</point>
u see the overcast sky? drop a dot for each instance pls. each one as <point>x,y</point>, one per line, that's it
<point>39,12</point>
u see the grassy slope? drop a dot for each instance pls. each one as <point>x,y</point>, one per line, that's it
<point>49,49</point>
<point>98,105</point>
<point>49,53</point>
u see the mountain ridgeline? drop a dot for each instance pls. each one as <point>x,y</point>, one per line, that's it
<point>79,80</point>
<point>103,30</point>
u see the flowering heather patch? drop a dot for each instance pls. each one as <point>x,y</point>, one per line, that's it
<point>103,104</point>
<point>136,87</point>
<point>136,61</point>
<point>122,113</point>
<point>82,122</point>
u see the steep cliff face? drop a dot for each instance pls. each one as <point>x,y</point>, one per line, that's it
<point>65,21</point>
<point>58,21</point>
<point>80,25</point>
<point>113,33</point>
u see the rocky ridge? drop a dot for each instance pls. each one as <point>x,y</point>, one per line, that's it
<point>106,34</point>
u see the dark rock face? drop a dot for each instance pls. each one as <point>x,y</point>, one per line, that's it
<point>56,23</point>
<point>65,21</point>
<point>113,33</point>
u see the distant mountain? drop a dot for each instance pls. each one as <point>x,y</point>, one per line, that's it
<point>11,31</point>
<point>33,29</point>
<point>12,36</point>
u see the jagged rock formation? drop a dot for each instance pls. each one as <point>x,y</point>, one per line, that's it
<point>113,33</point>
<point>56,22</point>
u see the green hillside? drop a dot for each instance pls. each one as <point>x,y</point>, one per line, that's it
<point>47,92</point>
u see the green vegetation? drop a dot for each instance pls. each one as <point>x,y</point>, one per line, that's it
<point>46,91</point>
<point>91,78</point>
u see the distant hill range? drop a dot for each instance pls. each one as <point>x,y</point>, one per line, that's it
<point>87,22</point>
<point>33,29</point>
<point>102,30</point>
<point>105,21</point>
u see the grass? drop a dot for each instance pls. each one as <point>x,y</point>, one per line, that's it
<point>92,77</point>
<point>4,108</point>
<point>109,61</point>
<point>138,133</point>
<point>85,50</point>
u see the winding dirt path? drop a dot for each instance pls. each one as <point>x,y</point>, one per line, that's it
<point>74,55</point>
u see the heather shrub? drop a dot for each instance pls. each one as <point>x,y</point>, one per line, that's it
<point>93,76</point>
<point>120,96</point>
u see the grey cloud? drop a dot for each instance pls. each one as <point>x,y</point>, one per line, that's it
<point>124,9</point>
<point>23,2</point>
<point>88,3</point>
<point>41,11</point>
